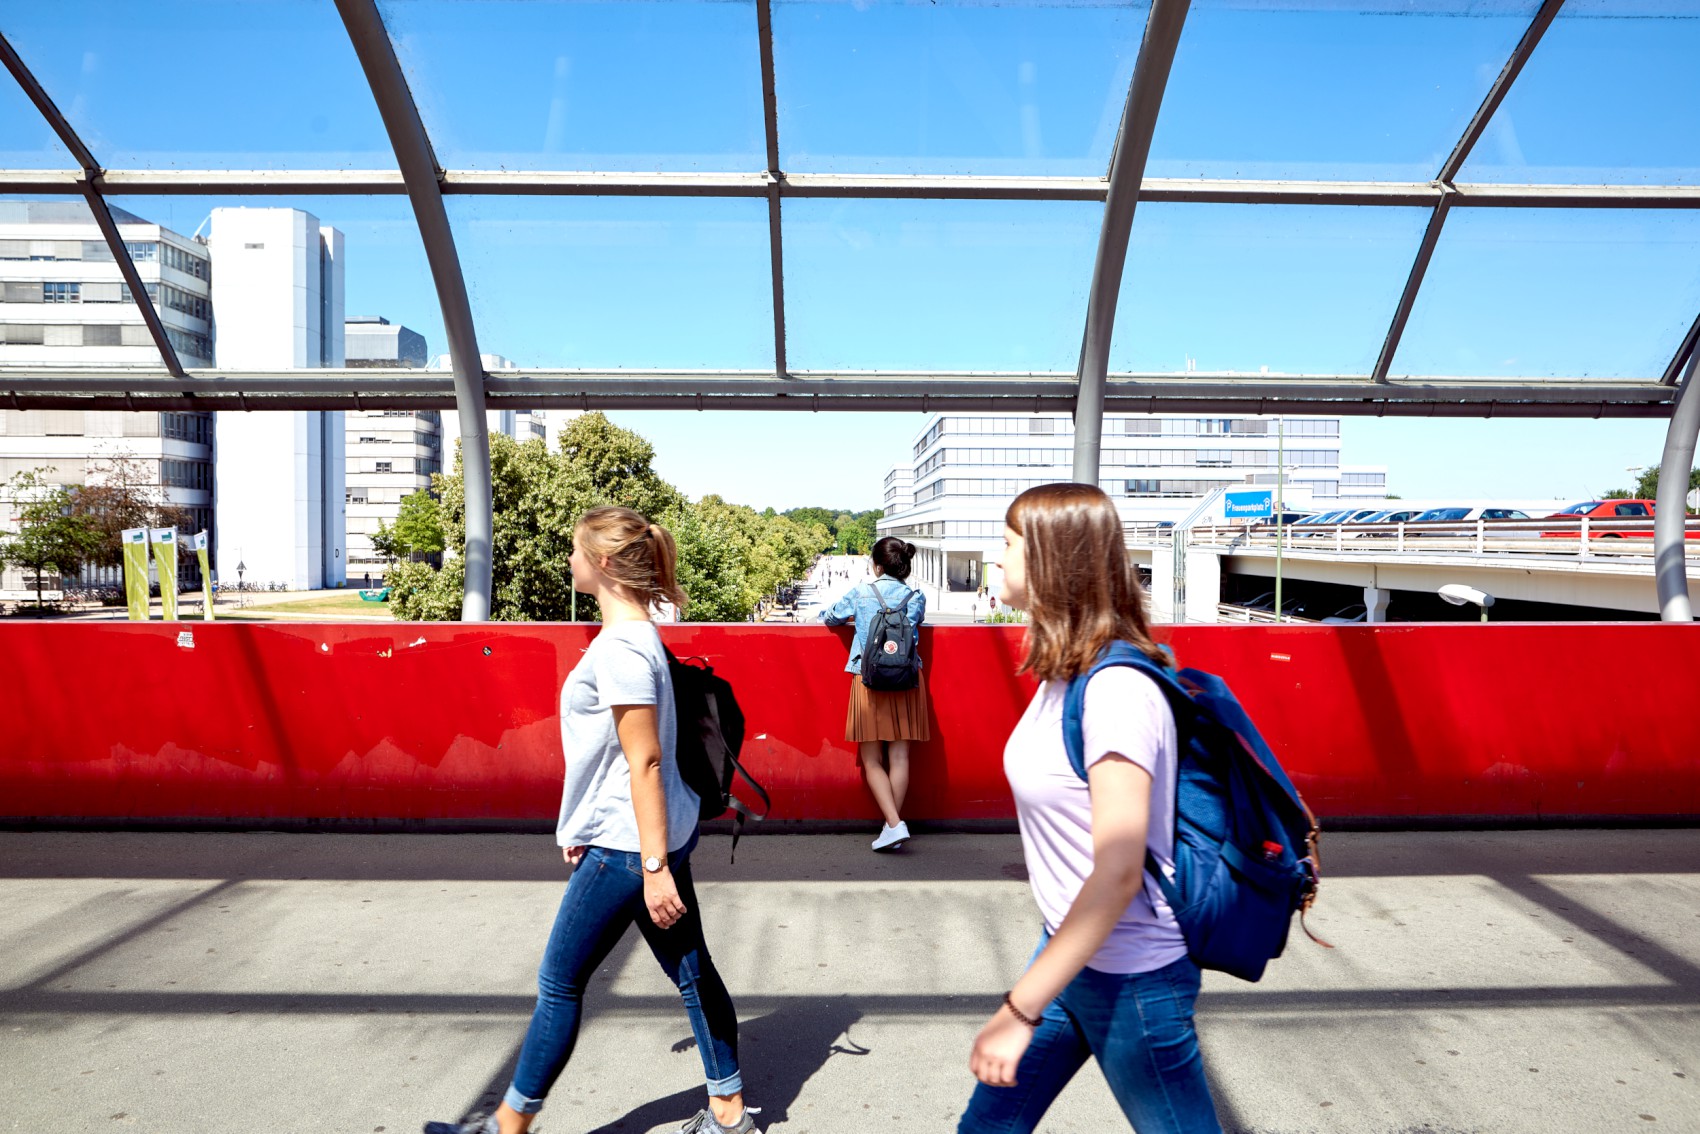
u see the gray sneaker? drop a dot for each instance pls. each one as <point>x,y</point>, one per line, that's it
<point>705,1123</point>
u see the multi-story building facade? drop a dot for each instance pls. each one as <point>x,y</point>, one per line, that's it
<point>967,467</point>
<point>63,302</point>
<point>278,294</point>
<point>391,453</point>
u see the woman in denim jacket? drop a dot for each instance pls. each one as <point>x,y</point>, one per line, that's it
<point>882,723</point>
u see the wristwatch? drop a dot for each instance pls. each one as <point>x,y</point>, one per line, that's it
<point>653,865</point>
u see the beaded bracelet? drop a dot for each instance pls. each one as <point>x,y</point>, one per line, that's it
<point>1018,1013</point>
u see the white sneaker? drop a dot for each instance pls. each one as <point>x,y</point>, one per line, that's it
<point>891,838</point>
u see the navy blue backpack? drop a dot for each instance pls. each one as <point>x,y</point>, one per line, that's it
<point>1245,843</point>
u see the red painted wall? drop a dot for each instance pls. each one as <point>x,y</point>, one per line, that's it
<point>442,721</point>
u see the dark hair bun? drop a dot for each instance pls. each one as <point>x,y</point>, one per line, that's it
<point>892,556</point>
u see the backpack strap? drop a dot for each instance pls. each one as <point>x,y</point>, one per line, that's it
<point>1074,727</point>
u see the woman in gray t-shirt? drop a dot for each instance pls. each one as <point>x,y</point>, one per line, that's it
<point>628,824</point>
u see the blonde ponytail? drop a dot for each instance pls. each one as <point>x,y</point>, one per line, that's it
<point>639,555</point>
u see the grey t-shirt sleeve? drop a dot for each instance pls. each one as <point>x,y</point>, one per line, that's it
<point>625,673</point>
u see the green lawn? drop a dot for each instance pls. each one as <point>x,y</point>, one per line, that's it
<point>333,606</point>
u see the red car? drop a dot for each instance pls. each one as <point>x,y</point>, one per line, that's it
<point>1608,510</point>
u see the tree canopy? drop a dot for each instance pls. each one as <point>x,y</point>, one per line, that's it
<point>51,536</point>
<point>730,556</point>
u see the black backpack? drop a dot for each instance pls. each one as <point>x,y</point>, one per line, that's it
<point>889,659</point>
<point>710,734</point>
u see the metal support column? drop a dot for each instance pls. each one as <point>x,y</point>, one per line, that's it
<point>422,176</point>
<point>1670,518</point>
<point>776,180</point>
<point>1127,171</point>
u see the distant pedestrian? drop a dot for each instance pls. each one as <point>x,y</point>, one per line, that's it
<point>367,583</point>
<point>628,825</point>
<point>1111,979</point>
<point>883,723</point>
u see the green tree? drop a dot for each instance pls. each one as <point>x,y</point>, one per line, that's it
<point>51,536</point>
<point>538,496</point>
<point>418,529</point>
<point>1647,486</point>
<point>121,492</point>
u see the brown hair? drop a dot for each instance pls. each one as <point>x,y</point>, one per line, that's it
<point>641,556</point>
<point>892,556</point>
<point>1082,591</point>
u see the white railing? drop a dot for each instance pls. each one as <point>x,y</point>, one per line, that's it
<point>1586,538</point>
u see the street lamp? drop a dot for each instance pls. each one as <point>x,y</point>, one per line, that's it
<point>1460,595</point>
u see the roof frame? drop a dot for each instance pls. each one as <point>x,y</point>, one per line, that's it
<point>87,185</point>
<point>1448,173</point>
<point>422,178</point>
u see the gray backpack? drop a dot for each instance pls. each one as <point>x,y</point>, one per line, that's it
<point>889,657</point>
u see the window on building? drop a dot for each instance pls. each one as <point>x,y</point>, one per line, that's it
<point>24,334</point>
<point>21,291</point>
<point>146,252</point>
<point>61,292</point>
<point>382,466</point>
<point>102,334</point>
<point>357,496</point>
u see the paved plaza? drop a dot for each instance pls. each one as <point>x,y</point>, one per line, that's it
<point>236,982</point>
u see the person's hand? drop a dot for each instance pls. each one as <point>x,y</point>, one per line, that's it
<point>573,855</point>
<point>661,896</point>
<point>998,1049</point>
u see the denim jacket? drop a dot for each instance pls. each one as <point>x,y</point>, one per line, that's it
<point>859,606</point>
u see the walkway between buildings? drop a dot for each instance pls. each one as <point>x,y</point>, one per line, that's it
<point>1505,981</point>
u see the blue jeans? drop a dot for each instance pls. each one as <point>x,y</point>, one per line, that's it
<point>603,899</point>
<point>1139,1028</point>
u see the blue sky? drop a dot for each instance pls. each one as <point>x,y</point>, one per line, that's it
<point>1267,88</point>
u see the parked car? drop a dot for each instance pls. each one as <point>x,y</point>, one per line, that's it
<point>1394,516</point>
<point>1604,510</point>
<point>1357,612</point>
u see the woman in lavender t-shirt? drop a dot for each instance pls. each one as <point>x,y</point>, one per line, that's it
<point>1112,979</point>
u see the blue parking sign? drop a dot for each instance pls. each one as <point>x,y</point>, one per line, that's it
<point>1254,505</point>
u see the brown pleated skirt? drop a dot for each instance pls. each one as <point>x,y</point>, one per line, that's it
<point>878,714</point>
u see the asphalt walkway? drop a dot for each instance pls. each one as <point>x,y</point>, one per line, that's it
<point>1506,981</point>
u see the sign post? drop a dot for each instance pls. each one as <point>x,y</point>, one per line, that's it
<point>165,559</point>
<point>136,573</point>
<point>198,544</point>
<point>1280,503</point>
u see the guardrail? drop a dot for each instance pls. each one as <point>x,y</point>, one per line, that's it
<point>1562,537</point>
<point>406,723</point>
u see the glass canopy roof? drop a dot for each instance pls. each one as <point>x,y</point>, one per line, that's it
<point>1363,206</point>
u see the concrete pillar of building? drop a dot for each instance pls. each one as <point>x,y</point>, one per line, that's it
<point>1375,602</point>
<point>1203,585</point>
<point>1163,586</point>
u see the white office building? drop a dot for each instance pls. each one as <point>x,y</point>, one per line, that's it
<point>391,453</point>
<point>950,499</point>
<point>278,297</point>
<point>63,302</point>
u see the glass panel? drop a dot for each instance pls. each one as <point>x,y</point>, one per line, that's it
<point>953,88</point>
<point>612,282</point>
<point>1330,89</point>
<point>257,262</point>
<point>205,84</point>
<point>1294,289</point>
<point>1599,100</point>
<point>937,285</point>
<point>1567,293</point>
<point>26,140</point>
<point>611,86</point>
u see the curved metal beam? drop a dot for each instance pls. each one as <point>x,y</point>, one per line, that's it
<point>1127,170</point>
<point>421,174</point>
<point>1670,516</point>
<point>87,186</point>
<point>776,181</point>
<point>1449,170</point>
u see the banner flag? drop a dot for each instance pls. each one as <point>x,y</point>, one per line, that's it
<point>136,573</point>
<point>198,542</point>
<point>165,561</point>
